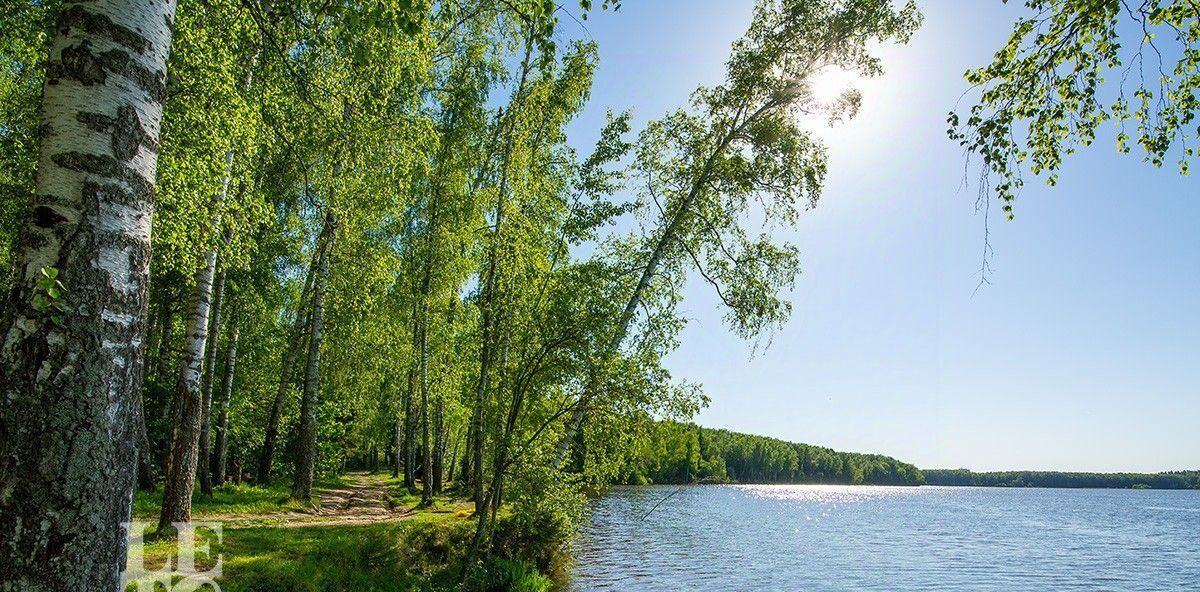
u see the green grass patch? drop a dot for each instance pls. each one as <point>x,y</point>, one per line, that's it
<point>307,559</point>
<point>422,553</point>
<point>229,499</point>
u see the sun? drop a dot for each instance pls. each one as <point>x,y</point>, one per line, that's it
<point>829,84</point>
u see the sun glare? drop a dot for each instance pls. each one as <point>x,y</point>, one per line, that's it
<point>828,84</point>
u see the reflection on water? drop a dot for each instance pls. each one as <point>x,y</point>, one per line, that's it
<point>901,539</point>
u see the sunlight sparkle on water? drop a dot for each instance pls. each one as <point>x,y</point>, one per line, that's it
<point>826,494</point>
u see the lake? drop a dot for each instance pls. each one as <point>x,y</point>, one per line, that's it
<point>899,539</point>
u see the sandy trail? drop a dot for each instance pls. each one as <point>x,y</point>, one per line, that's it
<point>362,499</point>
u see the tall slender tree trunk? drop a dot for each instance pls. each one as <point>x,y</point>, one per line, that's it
<point>453,458</point>
<point>145,464</point>
<point>441,437</point>
<point>165,341</point>
<point>397,447</point>
<point>481,390</point>
<point>486,354</point>
<point>410,430</point>
<point>162,372</point>
<point>427,449</point>
<point>204,454</point>
<point>439,442</point>
<point>181,480</point>
<point>71,357</point>
<point>188,405</point>
<point>164,345</point>
<point>266,456</point>
<point>670,234</point>
<point>592,385</point>
<point>307,452</point>
<point>427,454</point>
<point>489,320</point>
<point>220,446</point>
<point>468,469</point>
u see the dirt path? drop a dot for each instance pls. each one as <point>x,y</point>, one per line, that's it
<point>362,499</point>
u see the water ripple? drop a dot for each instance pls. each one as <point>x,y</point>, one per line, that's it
<point>895,539</point>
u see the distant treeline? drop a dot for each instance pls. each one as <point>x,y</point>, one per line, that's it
<point>964,477</point>
<point>681,453</point>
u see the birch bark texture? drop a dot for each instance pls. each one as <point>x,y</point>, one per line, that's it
<point>204,449</point>
<point>188,404</point>
<point>71,357</point>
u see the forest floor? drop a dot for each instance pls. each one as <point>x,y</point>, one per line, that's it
<point>357,498</point>
<point>362,531</point>
<point>354,498</point>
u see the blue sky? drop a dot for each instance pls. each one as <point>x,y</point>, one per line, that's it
<point>1082,353</point>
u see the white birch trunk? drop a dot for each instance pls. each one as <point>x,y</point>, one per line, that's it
<point>71,364</point>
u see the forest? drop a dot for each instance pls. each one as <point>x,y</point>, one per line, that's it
<point>966,478</point>
<point>685,453</point>
<point>252,245</point>
<point>254,241</point>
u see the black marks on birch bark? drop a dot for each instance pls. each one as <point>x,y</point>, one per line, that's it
<point>46,217</point>
<point>80,63</point>
<point>140,190</point>
<point>100,25</point>
<point>77,63</point>
<point>127,132</point>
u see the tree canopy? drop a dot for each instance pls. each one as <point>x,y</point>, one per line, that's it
<point>370,242</point>
<point>1071,69</point>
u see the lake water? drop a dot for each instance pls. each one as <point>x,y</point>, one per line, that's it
<point>814,538</point>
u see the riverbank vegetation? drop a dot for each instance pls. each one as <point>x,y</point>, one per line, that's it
<point>255,243</point>
<point>674,452</point>
<point>264,241</point>
<point>363,531</point>
<point>964,477</point>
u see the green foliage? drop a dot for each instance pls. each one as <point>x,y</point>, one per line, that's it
<point>674,452</point>
<point>510,576</point>
<point>1070,68</point>
<point>48,298</point>
<point>24,41</point>
<point>964,477</point>
<point>741,155</point>
<point>487,282</point>
<point>316,559</point>
<point>241,500</point>
<point>416,554</point>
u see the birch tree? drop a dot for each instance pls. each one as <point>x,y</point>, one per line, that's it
<point>1068,72</point>
<point>203,171</point>
<point>73,324</point>
<point>742,151</point>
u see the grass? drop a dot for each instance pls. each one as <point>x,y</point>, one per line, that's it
<point>305,559</point>
<point>229,499</point>
<point>423,552</point>
<point>402,496</point>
